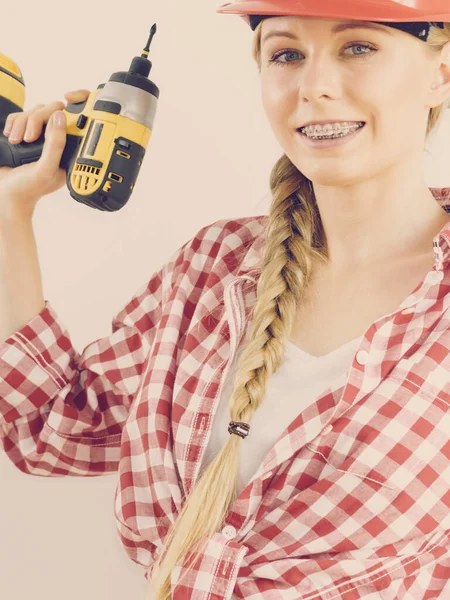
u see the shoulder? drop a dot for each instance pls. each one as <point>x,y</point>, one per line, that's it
<point>224,237</point>
<point>234,232</point>
<point>215,253</point>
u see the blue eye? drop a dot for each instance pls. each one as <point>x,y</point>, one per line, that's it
<point>274,59</point>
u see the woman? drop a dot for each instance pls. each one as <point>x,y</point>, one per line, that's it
<point>322,327</point>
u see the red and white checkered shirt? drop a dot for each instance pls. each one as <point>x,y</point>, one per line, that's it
<point>352,501</point>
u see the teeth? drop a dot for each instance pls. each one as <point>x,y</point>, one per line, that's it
<point>330,128</point>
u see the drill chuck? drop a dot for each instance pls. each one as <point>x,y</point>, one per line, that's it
<point>140,66</point>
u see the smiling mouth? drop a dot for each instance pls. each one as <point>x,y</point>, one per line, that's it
<point>331,135</point>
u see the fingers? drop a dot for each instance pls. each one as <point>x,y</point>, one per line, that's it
<point>77,95</point>
<point>37,118</point>
<point>28,124</point>
<point>10,122</point>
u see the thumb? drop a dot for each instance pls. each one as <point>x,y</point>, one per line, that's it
<point>55,141</point>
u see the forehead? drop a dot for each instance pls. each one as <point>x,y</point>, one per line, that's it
<point>295,26</point>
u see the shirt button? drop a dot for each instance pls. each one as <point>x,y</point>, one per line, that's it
<point>362,357</point>
<point>229,531</point>
<point>407,311</point>
<point>327,429</point>
<point>269,474</point>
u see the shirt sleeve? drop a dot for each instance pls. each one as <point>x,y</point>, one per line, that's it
<point>61,412</point>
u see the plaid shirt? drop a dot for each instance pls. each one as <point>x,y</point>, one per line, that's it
<point>352,501</point>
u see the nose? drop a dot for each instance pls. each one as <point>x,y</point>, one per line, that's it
<point>318,77</point>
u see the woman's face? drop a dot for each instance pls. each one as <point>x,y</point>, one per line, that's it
<point>380,76</point>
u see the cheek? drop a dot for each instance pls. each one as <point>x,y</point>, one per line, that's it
<point>388,88</point>
<point>271,96</point>
<point>279,103</point>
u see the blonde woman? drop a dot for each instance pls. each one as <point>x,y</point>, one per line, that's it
<point>276,397</point>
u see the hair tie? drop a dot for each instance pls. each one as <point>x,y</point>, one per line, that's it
<point>239,428</point>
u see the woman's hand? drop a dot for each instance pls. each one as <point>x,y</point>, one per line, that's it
<point>22,187</point>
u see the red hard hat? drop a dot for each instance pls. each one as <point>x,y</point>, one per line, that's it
<point>363,10</point>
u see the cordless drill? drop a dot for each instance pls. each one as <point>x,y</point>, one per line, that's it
<point>107,135</point>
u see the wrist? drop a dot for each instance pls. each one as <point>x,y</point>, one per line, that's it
<point>15,212</point>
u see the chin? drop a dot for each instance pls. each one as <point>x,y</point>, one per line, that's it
<point>334,179</point>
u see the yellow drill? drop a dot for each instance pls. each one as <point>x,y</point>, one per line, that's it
<point>107,135</point>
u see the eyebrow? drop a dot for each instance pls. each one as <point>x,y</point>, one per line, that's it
<point>336,29</point>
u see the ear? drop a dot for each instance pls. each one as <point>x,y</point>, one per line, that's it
<point>440,85</point>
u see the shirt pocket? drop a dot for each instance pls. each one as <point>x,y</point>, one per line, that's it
<point>385,439</point>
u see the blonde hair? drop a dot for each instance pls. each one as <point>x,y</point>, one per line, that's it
<point>294,242</point>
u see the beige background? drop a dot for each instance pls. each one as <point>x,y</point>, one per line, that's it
<point>210,157</point>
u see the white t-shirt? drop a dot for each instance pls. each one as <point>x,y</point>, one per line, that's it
<point>291,389</point>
